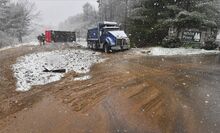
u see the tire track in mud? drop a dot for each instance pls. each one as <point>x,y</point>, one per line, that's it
<point>145,96</point>
<point>166,104</point>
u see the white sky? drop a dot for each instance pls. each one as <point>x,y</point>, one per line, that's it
<point>52,12</point>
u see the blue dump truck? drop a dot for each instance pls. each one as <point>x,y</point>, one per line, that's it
<point>107,36</point>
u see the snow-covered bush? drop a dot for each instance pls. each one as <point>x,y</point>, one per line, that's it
<point>210,44</point>
<point>171,42</point>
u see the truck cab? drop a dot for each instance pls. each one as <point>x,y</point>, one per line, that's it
<point>107,36</point>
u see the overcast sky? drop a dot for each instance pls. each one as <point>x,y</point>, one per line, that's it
<point>52,12</point>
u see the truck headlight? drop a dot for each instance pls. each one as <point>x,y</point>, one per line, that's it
<point>127,40</point>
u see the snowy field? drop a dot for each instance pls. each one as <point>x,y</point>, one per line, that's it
<point>159,51</point>
<point>29,69</point>
<point>19,45</point>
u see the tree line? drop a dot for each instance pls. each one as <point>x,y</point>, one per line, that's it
<point>148,21</point>
<point>15,20</point>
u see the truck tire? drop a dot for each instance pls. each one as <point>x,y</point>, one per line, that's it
<point>89,45</point>
<point>106,48</point>
<point>94,46</point>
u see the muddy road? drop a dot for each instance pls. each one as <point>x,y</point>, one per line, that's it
<point>127,94</point>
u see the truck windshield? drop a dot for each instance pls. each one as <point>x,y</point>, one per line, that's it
<point>110,29</point>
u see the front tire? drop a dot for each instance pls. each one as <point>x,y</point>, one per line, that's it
<point>94,46</point>
<point>88,46</point>
<point>106,48</point>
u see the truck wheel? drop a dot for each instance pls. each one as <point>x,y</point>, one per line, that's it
<point>106,48</point>
<point>94,46</point>
<point>88,45</point>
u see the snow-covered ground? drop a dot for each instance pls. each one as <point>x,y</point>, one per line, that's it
<point>159,51</point>
<point>19,45</point>
<point>29,69</point>
<point>82,42</point>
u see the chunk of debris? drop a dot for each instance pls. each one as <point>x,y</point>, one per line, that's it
<point>146,52</point>
<point>55,70</point>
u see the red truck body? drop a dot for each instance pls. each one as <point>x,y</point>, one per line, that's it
<point>48,36</point>
<point>59,36</point>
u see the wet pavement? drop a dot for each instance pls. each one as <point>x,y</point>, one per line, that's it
<point>197,82</point>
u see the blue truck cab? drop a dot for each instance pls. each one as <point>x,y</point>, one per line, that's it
<point>107,36</point>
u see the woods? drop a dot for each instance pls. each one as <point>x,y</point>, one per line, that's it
<point>81,22</point>
<point>15,20</point>
<point>148,21</point>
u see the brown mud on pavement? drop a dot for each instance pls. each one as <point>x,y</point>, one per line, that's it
<point>126,94</point>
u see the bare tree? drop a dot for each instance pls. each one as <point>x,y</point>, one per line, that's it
<point>4,40</point>
<point>115,10</point>
<point>3,13</point>
<point>19,19</point>
<point>81,22</point>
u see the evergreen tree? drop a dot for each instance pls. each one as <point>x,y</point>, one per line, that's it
<point>146,21</point>
<point>150,19</point>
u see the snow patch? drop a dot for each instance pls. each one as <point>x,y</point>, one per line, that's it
<point>118,34</point>
<point>206,102</point>
<point>82,42</point>
<point>159,51</point>
<point>82,78</point>
<point>29,69</point>
<point>109,23</point>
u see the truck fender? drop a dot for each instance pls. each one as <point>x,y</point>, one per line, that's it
<point>110,41</point>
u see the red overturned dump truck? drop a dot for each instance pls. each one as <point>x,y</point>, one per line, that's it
<point>59,36</point>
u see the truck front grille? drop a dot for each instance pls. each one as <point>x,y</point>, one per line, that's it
<point>121,42</point>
